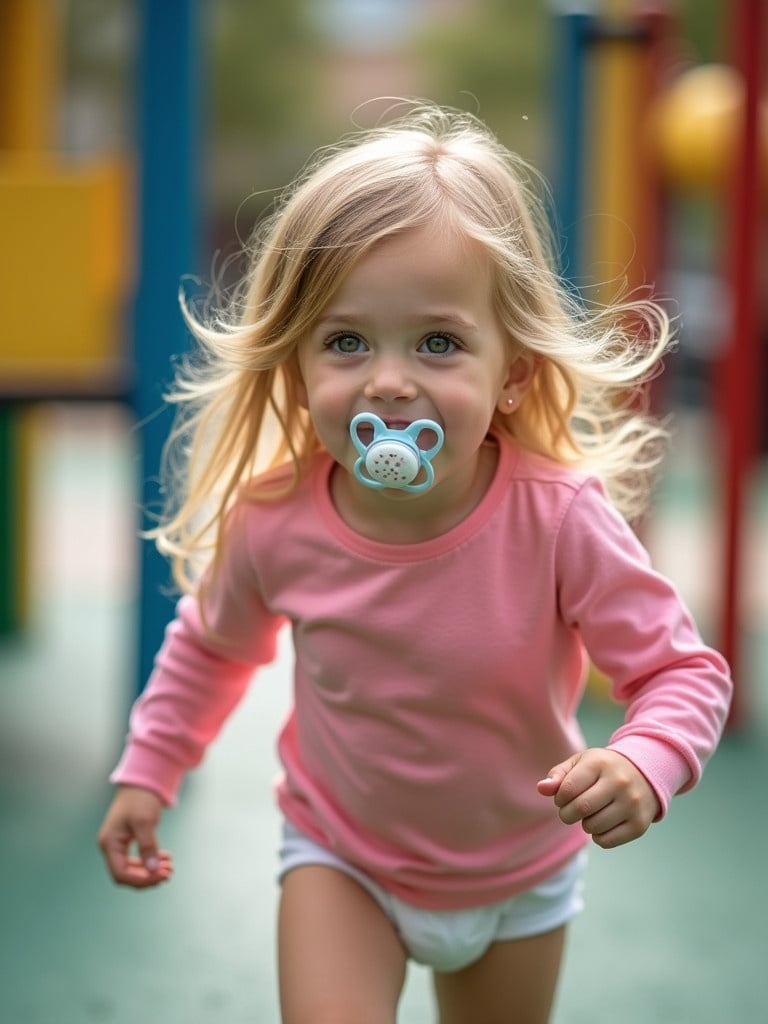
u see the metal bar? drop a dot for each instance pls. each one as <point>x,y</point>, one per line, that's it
<point>742,371</point>
<point>169,205</point>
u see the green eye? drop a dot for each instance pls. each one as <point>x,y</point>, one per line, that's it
<point>347,344</point>
<point>438,344</point>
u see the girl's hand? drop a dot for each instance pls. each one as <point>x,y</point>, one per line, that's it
<point>133,818</point>
<point>603,790</point>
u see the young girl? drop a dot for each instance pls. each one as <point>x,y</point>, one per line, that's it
<point>442,596</point>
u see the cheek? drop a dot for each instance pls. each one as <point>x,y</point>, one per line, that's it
<point>301,393</point>
<point>311,384</point>
<point>473,400</point>
<point>297,370</point>
<point>322,395</point>
<point>329,405</point>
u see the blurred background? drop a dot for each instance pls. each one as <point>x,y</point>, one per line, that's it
<point>140,142</point>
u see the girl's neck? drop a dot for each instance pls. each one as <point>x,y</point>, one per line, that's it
<point>413,519</point>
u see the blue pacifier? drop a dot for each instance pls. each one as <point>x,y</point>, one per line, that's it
<point>393,458</point>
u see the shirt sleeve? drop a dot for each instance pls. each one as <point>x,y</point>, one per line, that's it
<point>201,672</point>
<point>638,632</point>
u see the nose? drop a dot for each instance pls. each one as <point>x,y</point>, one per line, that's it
<point>389,378</point>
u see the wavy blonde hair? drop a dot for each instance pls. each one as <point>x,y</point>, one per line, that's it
<point>237,397</point>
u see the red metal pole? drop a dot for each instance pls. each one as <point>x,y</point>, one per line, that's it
<point>742,369</point>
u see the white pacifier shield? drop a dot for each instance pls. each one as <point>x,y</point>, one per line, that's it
<point>391,462</point>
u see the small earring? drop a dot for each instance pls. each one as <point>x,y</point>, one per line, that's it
<point>510,402</point>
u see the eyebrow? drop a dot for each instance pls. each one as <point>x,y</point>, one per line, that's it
<point>426,319</point>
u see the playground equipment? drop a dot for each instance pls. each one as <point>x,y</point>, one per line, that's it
<point>67,266</point>
<point>647,135</point>
<point>168,153</point>
<point>696,125</point>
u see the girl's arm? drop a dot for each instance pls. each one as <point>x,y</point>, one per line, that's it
<point>640,634</point>
<point>196,684</point>
<point>201,672</point>
<point>189,696</point>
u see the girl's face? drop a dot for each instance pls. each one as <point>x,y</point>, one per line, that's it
<point>412,334</point>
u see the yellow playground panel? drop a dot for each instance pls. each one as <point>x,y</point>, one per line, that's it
<point>64,257</point>
<point>64,262</point>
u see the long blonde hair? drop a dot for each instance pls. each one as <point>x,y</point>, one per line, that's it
<point>237,397</point>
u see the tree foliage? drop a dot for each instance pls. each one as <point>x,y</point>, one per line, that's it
<point>494,59</point>
<point>261,69</point>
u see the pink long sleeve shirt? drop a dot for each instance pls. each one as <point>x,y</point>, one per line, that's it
<point>436,682</point>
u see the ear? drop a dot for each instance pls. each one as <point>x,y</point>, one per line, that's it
<point>520,374</point>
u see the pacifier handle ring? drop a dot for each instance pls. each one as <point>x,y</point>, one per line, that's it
<point>417,427</point>
<point>370,420</point>
<point>365,478</point>
<point>425,484</point>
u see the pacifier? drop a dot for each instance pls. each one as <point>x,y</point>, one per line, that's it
<point>393,458</point>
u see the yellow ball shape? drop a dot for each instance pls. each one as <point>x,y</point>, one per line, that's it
<point>695,127</point>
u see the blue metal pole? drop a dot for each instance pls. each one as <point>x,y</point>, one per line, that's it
<point>573,25</point>
<point>169,205</point>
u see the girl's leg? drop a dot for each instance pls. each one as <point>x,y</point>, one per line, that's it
<point>340,959</point>
<point>513,983</point>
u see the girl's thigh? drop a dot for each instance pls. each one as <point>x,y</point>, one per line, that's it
<point>340,960</point>
<point>514,982</point>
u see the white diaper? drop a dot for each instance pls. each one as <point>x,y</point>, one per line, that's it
<point>448,940</point>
